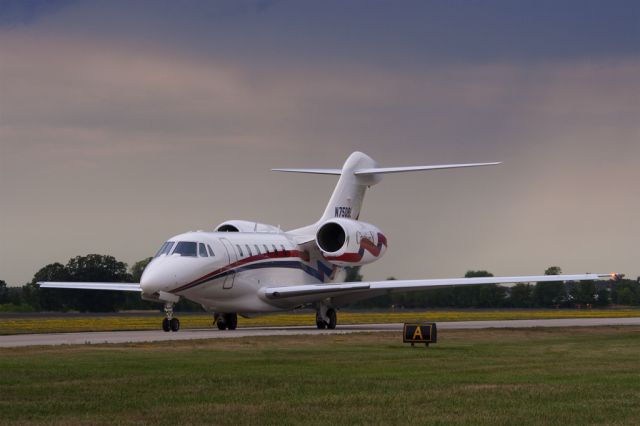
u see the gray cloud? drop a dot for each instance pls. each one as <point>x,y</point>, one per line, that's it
<point>25,12</point>
<point>385,33</point>
<point>113,139</point>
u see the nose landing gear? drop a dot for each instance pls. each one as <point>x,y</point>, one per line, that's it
<point>170,323</point>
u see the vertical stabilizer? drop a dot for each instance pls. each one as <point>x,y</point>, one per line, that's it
<point>347,197</point>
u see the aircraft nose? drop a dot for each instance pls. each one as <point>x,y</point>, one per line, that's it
<point>156,278</point>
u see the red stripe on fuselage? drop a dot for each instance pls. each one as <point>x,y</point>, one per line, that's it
<point>302,255</point>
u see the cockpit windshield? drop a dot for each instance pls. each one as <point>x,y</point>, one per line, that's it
<point>186,248</point>
<point>165,249</point>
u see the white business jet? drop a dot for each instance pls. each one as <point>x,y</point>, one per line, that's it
<point>249,268</point>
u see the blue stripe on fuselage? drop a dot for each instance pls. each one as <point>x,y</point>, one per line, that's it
<point>320,274</point>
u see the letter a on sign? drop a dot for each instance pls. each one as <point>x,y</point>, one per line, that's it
<point>417,333</point>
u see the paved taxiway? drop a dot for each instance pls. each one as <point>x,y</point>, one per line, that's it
<point>192,334</point>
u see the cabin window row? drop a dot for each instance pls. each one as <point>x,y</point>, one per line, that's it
<point>248,250</point>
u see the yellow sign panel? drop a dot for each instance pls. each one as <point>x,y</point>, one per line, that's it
<point>420,333</point>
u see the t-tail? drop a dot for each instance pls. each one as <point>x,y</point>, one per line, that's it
<point>357,174</point>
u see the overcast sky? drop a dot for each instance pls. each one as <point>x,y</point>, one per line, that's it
<point>125,122</point>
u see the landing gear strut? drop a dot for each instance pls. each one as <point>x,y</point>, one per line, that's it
<point>226,321</point>
<point>170,323</point>
<point>326,317</point>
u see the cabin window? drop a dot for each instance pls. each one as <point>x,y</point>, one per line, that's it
<point>257,249</point>
<point>275,250</point>
<point>284,250</point>
<point>202,250</point>
<point>266,249</point>
<point>165,249</point>
<point>210,251</point>
<point>186,248</point>
<point>239,250</point>
<point>248,249</point>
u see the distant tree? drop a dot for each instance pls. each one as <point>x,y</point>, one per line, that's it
<point>15,296</point>
<point>547,294</point>
<point>48,299</point>
<point>380,302</point>
<point>4,294</point>
<point>553,270</point>
<point>488,296</point>
<point>482,273</point>
<point>98,268</point>
<point>521,296</point>
<point>90,268</point>
<point>583,292</point>
<point>602,297</point>
<point>440,297</point>
<point>625,292</point>
<point>484,296</point>
<point>625,296</point>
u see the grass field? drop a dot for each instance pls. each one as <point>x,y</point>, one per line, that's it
<point>529,376</point>
<point>70,323</point>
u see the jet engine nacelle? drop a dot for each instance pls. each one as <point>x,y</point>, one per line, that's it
<point>246,226</point>
<point>348,242</point>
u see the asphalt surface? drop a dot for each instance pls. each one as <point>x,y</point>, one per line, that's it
<point>192,334</point>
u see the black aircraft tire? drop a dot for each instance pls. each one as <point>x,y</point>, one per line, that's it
<point>321,324</point>
<point>232,320</point>
<point>221,324</point>
<point>175,324</point>
<point>165,324</point>
<point>333,319</point>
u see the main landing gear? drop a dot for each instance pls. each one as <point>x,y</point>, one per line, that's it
<point>170,323</point>
<point>226,321</point>
<point>326,317</point>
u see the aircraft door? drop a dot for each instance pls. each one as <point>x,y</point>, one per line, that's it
<point>231,255</point>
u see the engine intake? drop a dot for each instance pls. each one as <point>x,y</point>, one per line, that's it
<point>331,237</point>
<point>348,242</point>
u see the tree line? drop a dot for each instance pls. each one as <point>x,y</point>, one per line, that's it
<point>102,268</point>
<point>536,295</point>
<point>89,268</point>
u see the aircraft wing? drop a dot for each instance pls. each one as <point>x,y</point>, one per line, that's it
<point>91,286</point>
<point>315,292</point>
<point>322,290</point>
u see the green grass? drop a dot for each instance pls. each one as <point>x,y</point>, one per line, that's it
<point>61,323</point>
<point>533,376</point>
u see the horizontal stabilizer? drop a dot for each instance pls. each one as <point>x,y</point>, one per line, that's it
<point>91,286</point>
<point>314,171</point>
<point>384,170</point>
